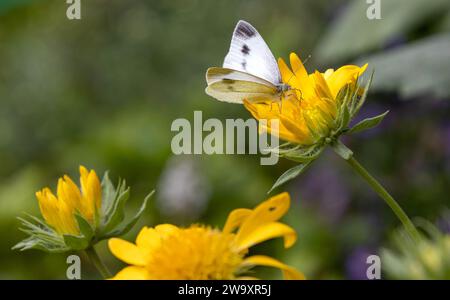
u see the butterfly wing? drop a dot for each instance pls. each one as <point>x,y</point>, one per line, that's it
<point>215,74</point>
<point>249,53</point>
<point>237,86</point>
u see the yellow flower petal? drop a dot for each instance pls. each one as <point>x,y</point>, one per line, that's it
<point>132,273</point>
<point>95,189</point>
<point>328,73</point>
<point>246,278</point>
<point>127,252</point>
<point>343,76</point>
<point>47,208</point>
<point>235,219</point>
<point>56,213</point>
<point>261,260</point>
<point>69,193</point>
<point>84,173</point>
<point>287,76</point>
<point>321,86</point>
<point>148,239</point>
<point>266,232</point>
<point>304,82</point>
<point>67,222</point>
<point>166,228</point>
<point>267,212</point>
<point>91,193</point>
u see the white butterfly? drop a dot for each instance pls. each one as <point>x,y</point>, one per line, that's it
<point>249,71</point>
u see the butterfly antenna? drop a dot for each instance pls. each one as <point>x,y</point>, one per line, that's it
<point>293,74</point>
<point>306,59</point>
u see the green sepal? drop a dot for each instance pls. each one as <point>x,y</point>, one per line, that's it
<point>127,225</point>
<point>116,213</point>
<point>302,155</point>
<point>108,194</point>
<point>368,123</point>
<point>86,229</point>
<point>36,243</point>
<point>363,98</point>
<point>342,150</point>
<point>41,237</point>
<point>76,242</point>
<point>289,175</point>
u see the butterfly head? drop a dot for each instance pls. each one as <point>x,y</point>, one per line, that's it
<point>283,87</point>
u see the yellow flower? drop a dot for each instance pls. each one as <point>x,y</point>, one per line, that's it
<point>58,211</point>
<point>202,252</point>
<point>310,110</point>
<point>78,218</point>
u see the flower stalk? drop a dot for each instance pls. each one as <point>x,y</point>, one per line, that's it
<point>97,262</point>
<point>347,155</point>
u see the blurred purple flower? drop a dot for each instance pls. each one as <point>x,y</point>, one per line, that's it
<point>443,223</point>
<point>323,189</point>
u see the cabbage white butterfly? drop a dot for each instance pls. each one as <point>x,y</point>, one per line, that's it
<point>249,71</point>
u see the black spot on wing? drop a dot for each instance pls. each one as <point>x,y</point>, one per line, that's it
<point>245,49</point>
<point>244,65</point>
<point>229,83</point>
<point>245,30</point>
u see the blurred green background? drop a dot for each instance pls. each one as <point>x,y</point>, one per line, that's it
<point>103,91</point>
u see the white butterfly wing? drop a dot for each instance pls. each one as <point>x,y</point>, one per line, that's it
<point>249,53</point>
<point>236,87</point>
<point>215,74</point>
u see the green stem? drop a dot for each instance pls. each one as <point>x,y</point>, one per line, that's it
<point>97,262</point>
<point>379,189</point>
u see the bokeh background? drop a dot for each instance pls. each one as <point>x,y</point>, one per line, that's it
<point>104,90</point>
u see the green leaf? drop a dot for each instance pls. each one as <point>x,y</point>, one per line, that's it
<point>126,226</point>
<point>75,242</point>
<point>368,123</point>
<point>289,175</point>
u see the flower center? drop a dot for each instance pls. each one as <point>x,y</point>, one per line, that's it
<point>195,253</point>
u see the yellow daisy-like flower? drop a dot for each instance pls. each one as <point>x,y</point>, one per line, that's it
<point>58,211</point>
<point>77,218</point>
<point>308,113</point>
<point>202,252</point>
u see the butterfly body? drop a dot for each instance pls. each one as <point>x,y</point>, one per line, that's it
<point>249,72</point>
<point>284,87</point>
